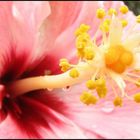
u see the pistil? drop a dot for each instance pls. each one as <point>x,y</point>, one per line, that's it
<point>63,80</point>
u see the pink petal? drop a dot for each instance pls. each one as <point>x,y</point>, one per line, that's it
<point>8,32</point>
<point>17,37</point>
<point>33,13</point>
<point>9,129</point>
<point>39,118</point>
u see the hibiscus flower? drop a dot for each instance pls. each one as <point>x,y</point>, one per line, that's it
<point>36,101</point>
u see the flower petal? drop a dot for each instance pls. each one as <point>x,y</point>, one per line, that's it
<point>16,46</point>
<point>33,13</point>
<point>38,118</point>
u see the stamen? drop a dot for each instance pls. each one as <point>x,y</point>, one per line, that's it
<point>124,9</point>
<point>100,82</point>
<point>74,73</point>
<point>104,27</point>
<point>112,12</point>
<point>112,86</point>
<point>138,19</point>
<point>64,64</point>
<point>138,83</point>
<point>118,101</point>
<point>100,13</point>
<point>91,84</point>
<point>82,29</point>
<point>89,53</point>
<point>134,75</point>
<point>101,91</point>
<point>124,22</point>
<point>87,98</point>
<point>137,98</point>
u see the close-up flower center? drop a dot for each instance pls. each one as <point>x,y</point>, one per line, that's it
<point>111,58</point>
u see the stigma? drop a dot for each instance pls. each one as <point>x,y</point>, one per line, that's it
<point>110,59</point>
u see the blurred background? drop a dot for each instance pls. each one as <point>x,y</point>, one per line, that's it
<point>134,6</point>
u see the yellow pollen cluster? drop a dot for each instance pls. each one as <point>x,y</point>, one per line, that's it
<point>64,64</point>
<point>99,85</point>
<point>137,98</point>
<point>82,29</point>
<point>89,53</point>
<point>124,9</point>
<point>91,84</point>
<point>84,43</point>
<point>100,13</point>
<point>101,91</point>
<point>138,19</point>
<point>87,98</point>
<point>124,22</point>
<point>118,58</point>
<point>138,83</point>
<point>105,26</point>
<point>74,73</point>
<point>82,40</point>
<point>118,101</point>
<point>112,11</point>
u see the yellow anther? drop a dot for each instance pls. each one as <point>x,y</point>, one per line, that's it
<point>100,13</point>
<point>91,84</point>
<point>104,27</point>
<point>82,29</point>
<point>64,64</point>
<point>112,11</point>
<point>137,98</point>
<point>101,91</point>
<point>118,101</point>
<point>85,37</point>
<point>74,73</point>
<point>124,9</point>
<point>89,53</point>
<point>80,53</point>
<point>100,82</point>
<point>87,98</point>
<point>124,22</point>
<point>138,19</point>
<point>108,21</point>
<point>82,39</point>
<point>138,83</point>
<point>78,32</point>
<point>80,45</point>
